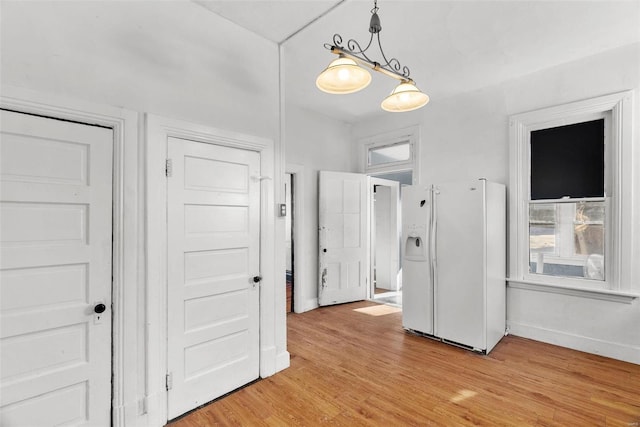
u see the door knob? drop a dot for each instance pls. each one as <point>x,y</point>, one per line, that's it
<point>257,279</point>
<point>99,308</point>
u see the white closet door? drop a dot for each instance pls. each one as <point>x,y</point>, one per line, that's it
<point>55,271</point>
<point>213,256</point>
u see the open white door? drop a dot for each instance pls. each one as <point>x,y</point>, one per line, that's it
<point>55,272</point>
<point>213,214</point>
<point>385,234</point>
<point>343,237</point>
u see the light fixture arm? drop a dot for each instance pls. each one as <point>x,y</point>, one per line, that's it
<point>391,67</point>
<point>384,69</point>
<point>348,74</point>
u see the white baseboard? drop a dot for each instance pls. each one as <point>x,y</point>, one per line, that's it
<point>156,415</point>
<point>283,361</point>
<point>626,353</point>
<point>267,361</point>
<point>310,304</point>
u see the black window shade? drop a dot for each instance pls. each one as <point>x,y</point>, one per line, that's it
<point>568,161</point>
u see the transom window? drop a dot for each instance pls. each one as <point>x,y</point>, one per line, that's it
<point>392,155</point>
<point>399,152</point>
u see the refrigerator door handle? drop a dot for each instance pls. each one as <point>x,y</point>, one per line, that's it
<point>434,229</point>
<point>433,256</point>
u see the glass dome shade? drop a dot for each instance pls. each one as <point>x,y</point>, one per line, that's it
<point>405,97</point>
<point>342,76</point>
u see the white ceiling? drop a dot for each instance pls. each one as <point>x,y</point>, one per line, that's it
<point>275,20</point>
<point>450,46</point>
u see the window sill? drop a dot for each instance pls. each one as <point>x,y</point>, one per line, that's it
<point>601,294</point>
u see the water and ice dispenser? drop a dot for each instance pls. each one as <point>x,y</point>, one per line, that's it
<point>415,246</point>
<point>416,213</point>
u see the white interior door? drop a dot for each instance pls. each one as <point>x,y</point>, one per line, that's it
<point>343,237</point>
<point>213,216</point>
<point>385,241</point>
<point>55,269</point>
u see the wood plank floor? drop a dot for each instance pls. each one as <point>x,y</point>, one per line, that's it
<point>353,365</point>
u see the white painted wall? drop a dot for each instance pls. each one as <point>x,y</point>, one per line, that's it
<point>468,135</point>
<point>601,327</point>
<point>173,59</point>
<point>314,143</point>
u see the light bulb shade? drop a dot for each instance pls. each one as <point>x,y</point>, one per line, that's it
<point>405,97</point>
<point>343,75</point>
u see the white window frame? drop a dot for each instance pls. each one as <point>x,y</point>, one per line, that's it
<point>564,253</point>
<point>620,160</point>
<point>410,135</point>
<point>564,248</point>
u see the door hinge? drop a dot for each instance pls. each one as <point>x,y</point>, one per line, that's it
<point>168,168</point>
<point>169,381</point>
<point>142,406</point>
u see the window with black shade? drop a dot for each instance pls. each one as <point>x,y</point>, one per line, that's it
<point>567,206</point>
<point>573,198</point>
<point>568,161</point>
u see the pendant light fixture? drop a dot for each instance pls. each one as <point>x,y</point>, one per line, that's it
<point>347,75</point>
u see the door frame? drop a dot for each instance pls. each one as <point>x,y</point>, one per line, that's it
<point>125,246</point>
<point>158,130</point>
<point>298,236</point>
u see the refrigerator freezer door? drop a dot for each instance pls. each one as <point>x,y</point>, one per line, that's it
<point>417,289</point>
<point>459,268</point>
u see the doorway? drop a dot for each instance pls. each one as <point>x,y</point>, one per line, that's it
<point>289,243</point>
<point>385,241</point>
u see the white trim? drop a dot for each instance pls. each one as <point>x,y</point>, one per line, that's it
<point>279,247</point>
<point>601,294</point>
<point>158,130</point>
<point>310,304</point>
<point>614,350</point>
<point>621,255</point>
<point>300,240</point>
<point>126,231</point>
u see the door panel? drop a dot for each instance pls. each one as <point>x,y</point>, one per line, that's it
<point>460,290</point>
<point>213,253</point>
<point>343,228</point>
<point>417,267</point>
<point>55,265</point>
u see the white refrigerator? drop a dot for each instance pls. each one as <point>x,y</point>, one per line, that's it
<point>454,262</point>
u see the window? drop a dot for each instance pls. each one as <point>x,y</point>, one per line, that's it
<point>567,239</point>
<point>392,155</point>
<point>571,196</point>
<point>567,208</point>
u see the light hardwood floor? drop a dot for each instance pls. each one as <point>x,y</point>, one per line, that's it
<point>354,365</point>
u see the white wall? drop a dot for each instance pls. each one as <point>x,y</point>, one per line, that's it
<point>468,136</point>
<point>173,59</point>
<point>314,143</point>
<point>602,327</point>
